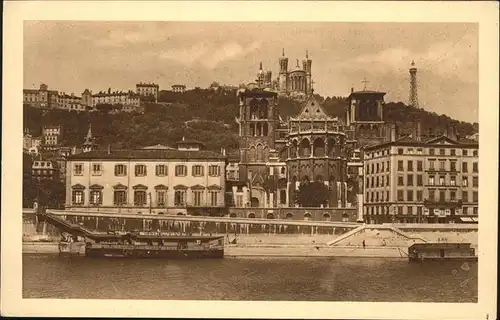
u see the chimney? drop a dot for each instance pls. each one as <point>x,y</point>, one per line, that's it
<point>393,132</point>
<point>453,133</point>
<point>352,90</point>
<point>418,132</point>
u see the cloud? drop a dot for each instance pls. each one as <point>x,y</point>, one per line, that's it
<point>187,56</point>
<point>442,58</point>
<point>209,57</point>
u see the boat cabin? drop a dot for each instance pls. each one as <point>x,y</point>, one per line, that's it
<point>441,251</point>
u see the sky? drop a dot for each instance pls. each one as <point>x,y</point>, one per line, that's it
<point>71,56</point>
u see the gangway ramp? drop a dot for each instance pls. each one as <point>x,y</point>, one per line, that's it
<point>66,226</point>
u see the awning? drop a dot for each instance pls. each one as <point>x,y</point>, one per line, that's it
<point>466,219</point>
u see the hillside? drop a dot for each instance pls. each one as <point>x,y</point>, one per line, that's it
<point>205,115</point>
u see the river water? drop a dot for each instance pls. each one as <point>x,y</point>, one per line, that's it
<point>274,279</point>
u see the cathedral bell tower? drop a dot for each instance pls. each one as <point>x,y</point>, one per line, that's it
<point>258,119</point>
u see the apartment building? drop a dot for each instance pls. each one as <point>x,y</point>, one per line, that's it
<point>162,181</point>
<point>411,181</point>
<point>179,88</point>
<point>41,98</point>
<point>148,90</point>
<point>51,136</point>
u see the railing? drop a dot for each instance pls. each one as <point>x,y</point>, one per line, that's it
<point>209,219</point>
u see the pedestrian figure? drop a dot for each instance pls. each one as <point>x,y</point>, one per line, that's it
<point>364,244</point>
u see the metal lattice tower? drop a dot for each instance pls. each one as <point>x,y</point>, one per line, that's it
<point>413,100</point>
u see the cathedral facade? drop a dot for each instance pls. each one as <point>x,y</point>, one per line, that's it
<point>277,156</point>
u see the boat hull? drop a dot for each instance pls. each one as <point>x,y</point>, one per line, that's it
<point>459,258</point>
<point>154,254</point>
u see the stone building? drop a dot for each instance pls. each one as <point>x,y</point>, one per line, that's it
<point>41,98</point>
<point>148,90</point>
<point>409,179</point>
<point>185,180</point>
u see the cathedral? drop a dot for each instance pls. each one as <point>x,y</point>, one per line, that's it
<point>276,156</point>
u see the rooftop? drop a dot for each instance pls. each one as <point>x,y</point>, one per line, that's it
<point>146,154</point>
<point>442,140</point>
<point>367,92</point>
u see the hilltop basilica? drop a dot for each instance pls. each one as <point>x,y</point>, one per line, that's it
<point>294,83</point>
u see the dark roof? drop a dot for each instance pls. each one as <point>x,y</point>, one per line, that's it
<point>412,142</point>
<point>189,141</point>
<point>133,235</point>
<point>367,92</point>
<point>234,156</point>
<point>147,85</point>
<point>147,154</point>
<point>439,245</point>
<point>258,92</point>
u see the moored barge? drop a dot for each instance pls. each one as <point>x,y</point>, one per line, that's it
<point>133,245</point>
<point>441,251</point>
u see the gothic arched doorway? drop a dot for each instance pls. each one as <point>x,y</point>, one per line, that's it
<point>254,202</point>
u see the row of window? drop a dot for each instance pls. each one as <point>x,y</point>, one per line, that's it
<point>140,170</point>
<point>432,151</point>
<point>385,166</point>
<point>410,210</point>
<point>140,197</point>
<point>412,195</point>
<point>442,166</point>
<point>384,181</point>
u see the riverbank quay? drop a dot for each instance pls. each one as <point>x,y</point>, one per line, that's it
<point>264,250</point>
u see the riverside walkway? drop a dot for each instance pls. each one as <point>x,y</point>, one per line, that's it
<point>185,218</point>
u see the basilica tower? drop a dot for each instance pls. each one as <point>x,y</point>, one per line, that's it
<point>283,75</point>
<point>307,67</point>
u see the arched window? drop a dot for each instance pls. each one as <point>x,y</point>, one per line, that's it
<point>233,215</point>
<point>260,153</point>
<point>270,216</point>
<point>327,216</point>
<point>289,215</point>
<point>293,149</point>
<point>251,215</point>
<point>254,109</point>
<point>252,154</point>
<point>304,148</point>
<point>263,109</point>
<point>307,216</point>
<point>319,148</point>
<point>265,129</point>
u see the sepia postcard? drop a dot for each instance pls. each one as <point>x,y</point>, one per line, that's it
<point>250,159</point>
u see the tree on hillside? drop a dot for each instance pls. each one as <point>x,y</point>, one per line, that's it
<point>312,194</point>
